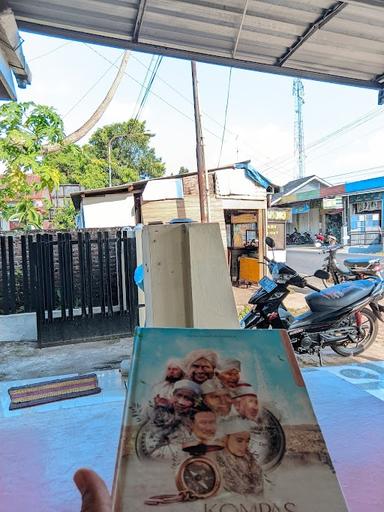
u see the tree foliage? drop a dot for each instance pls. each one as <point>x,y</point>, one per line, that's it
<point>132,158</point>
<point>79,165</point>
<point>65,217</point>
<point>24,129</point>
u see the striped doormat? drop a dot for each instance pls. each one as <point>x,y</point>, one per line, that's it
<point>53,390</point>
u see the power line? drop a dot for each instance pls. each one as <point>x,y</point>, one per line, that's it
<point>91,88</point>
<point>225,115</point>
<point>283,161</point>
<point>149,69</point>
<point>205,114</point>
<point>148,88</point>
<point>357,171</point>
<point>50,52</point>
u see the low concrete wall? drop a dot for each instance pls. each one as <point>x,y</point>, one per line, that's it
<point>19,327</point>
<point>23,326</point>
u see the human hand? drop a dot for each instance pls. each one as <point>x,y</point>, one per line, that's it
<point>95,496</point>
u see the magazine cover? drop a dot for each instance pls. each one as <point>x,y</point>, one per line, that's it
<point>220,421</point>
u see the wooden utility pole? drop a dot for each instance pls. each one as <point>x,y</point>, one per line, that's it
<point>201,170</point>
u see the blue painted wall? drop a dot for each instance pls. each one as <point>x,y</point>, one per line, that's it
<point>371,183</point>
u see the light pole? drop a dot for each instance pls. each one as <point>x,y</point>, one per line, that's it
<point>110,149</point>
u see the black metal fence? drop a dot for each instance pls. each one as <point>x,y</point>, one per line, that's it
<point>81,286</point>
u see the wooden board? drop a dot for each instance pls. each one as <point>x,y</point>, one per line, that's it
<point>189,207</point>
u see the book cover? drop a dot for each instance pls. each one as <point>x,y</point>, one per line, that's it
<point>220,421</point>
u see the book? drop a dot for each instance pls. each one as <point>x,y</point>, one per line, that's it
<point>220,421</point>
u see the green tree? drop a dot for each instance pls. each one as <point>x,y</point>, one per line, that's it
<point>64,217</point>
<point>24,129</point>
<point>184,170</point>
<point>132,158</point>
<point>79,165</point>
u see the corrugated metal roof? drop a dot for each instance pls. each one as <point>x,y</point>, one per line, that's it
<point>320,39</point>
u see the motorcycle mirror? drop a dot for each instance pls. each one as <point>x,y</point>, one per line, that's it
<point>322,274</point>
<point>270,242</point>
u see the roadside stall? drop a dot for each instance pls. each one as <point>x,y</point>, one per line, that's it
<point>243,238</point>
<point>277,219</point>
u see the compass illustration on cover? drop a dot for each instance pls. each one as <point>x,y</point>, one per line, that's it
<point>155,443</point>
<point>198,477</point>
<point>267,441</point>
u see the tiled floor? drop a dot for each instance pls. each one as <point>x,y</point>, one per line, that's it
<point>41,447</point>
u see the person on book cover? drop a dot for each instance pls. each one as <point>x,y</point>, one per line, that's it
<point>216,396</point>
<point>200,365</point>
<point>176,411</point>
<point>229,373</point>
<point>238,466</point>
<point>246,402</point>
<point>163,391</point>
<point>204,425</point>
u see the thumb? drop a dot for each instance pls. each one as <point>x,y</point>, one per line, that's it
<point>94,493</point>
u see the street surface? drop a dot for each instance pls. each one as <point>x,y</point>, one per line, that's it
<point>306,260</point>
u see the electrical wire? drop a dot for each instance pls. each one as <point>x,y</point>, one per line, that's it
<point>91,88</point>
<point>149,69</point>
<point>148,88</point>
<point>205,114</point>
<point>50,52</point>
<point>225,115</point>
<point>283,161</point>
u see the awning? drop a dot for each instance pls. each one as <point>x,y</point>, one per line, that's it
<point>320,39</point>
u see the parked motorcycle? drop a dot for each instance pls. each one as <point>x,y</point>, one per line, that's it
<point>343,317</point>
<point>297,238</point>
<point>351,269</point>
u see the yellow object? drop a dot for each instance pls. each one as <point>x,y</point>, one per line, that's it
<point>249,269</point>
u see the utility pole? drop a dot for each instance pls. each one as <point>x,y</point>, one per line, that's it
<point>201,169</point>
<point>298,92</point>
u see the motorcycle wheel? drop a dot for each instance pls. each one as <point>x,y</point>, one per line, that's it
<point>370,327</point>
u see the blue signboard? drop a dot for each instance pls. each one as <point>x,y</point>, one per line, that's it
<point>304,208</point>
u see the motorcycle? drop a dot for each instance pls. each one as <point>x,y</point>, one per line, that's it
<point>343,317</point>
<point>297,238</point>
<point>351,269</point>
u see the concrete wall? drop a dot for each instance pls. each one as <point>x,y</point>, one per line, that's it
<point>19,327</point>
<point>113,210</point>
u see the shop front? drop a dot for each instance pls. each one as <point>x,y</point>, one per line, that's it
<point>245,243</point>
<point>332,216</point>
<point>366,218</point>
<point>306,217</point>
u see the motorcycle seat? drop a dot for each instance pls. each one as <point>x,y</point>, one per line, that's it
<point>340,295</point>
<point>361,262</point>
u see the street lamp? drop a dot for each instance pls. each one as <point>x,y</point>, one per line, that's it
<point>110,149</point>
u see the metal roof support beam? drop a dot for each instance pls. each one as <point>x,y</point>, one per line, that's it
<point>139,20</point>
<point>327,15</point>
<point>240,28</point>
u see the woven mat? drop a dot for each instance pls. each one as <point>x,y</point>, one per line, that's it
<point>53,390</point>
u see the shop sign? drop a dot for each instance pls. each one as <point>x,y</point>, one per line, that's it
<point>280,214</point>
<point>333,203</point>
<point>368,206</point>
<point>243,218</point>
<point>303,208</point>
<point>276,230</point>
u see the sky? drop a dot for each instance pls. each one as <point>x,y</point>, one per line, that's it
<point>73,78</point>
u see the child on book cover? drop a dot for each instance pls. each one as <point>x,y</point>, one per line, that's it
<point>216,421</point>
